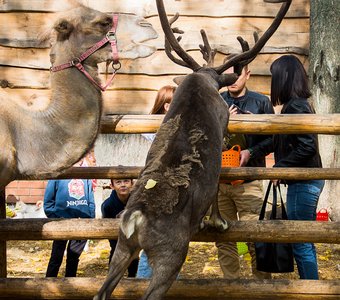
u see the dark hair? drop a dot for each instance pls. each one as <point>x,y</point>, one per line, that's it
<point>164,95</point>
<point>289,80</point>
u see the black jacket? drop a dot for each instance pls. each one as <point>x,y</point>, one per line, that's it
<point>297,150</point>
<point>260,144</point>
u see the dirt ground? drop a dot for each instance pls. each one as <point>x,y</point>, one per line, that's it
<point>30,259</point>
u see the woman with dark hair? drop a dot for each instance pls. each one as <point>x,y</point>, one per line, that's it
<point>289,88</point>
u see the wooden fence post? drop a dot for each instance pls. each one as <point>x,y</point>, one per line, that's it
<point>3,256</point>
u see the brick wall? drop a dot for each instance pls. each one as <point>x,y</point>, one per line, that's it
<point>26,191</point>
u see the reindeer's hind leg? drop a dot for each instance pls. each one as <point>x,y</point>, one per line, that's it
<point>215,219</point>
<point>166,264</point>
<point>120,261</point>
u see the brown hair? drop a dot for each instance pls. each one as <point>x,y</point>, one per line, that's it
<point>164,95</point>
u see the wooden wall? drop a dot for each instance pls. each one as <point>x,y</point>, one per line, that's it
<point>24,62</point>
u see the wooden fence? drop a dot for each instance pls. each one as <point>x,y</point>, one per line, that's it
<point>279,231</point>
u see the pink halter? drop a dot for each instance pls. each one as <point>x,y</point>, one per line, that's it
<point>110,37</point>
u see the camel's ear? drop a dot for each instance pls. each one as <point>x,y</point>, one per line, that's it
<point>64,29</point>
<point>179,79</point>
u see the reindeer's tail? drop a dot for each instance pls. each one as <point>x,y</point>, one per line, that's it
<point>127,249</point>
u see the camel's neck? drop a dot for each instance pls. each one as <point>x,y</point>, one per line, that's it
<point>67,128</point>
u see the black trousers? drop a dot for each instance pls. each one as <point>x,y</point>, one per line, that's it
<point>74,250</point>
<point>133,267</point>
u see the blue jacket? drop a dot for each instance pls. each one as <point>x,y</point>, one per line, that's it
<point>112,206</point>
<point>71,198</point>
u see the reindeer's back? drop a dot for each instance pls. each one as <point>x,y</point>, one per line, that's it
<point>183,163</point>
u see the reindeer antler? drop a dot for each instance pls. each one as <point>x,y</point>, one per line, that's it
<point>172,42</point>
<point>207,52</point>
<point>249,55</point>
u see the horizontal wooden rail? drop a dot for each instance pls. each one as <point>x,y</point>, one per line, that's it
<point>278,231</point>
<point>247,123</point>
<point>226,173</point>
<point>198,289</point>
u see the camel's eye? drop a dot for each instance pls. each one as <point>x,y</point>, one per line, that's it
<point>106,23</point>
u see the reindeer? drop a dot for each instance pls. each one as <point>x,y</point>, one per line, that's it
<point>47,141</point>
<point>181,175</point>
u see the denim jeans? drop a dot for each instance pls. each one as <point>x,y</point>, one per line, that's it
<point>144,269</point>
<point>302,201</point>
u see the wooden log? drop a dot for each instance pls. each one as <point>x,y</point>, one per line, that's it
<point>217,289</point>
<point>244,231</point>
<point>246,173</point>
<point>3,246</point>
<point>251,124</point>
<point>146,8</point>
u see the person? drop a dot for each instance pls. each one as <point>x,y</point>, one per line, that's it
<point>243,201</point>
<point>70,198</point>
<point>113,206</point>
<point>289,87</point>
<point>160,107</point>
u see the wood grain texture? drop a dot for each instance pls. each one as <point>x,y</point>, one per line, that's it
<point>147,8</point>
<point>27,29</point>
<point>217,289</point>
<point>24,60</point>
<point>244,231</point>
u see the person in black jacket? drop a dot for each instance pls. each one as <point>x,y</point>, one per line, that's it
<point>243,201</point>
<point>113,206</point>
<point>289,88</point>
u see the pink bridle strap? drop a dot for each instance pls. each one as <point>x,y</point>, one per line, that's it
<point>110,37</point>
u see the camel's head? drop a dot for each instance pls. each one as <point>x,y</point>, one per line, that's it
<point>81,27</point>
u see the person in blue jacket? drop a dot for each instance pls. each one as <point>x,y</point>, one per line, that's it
<point>113,206</point>
<point>71,198</point>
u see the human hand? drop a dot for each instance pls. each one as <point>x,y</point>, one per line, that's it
<point>244,157</point>
<point>233,109</point>
<point>275,182</point>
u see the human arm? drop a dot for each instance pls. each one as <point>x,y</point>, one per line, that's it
<point>50,199</point>
<point>259,146</point>
<point>298,149</point>
<point>92,205</point>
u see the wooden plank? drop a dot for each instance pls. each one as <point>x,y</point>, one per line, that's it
<point>156,64</point>
<point>147,8</point>
<point>244,231</point>
<point>247,123</point>
<point>18,78</point>
<point>246,173</point>
<point>116,101</point>
<point>217,289</point>
<point>26,28</point>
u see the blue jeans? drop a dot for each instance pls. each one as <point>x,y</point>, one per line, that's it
<point>302,201</point>
<point>144,269</point>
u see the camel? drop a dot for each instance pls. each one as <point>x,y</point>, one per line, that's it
<point>40,143</point>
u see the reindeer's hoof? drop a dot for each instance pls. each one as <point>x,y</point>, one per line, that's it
<point>219,224</point>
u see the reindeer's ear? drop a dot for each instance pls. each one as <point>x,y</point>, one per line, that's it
<point>179,79</point>
<point>63,29</point>
<point>227,79</point>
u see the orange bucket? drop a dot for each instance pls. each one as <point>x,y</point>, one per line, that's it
<point>231,158</point>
